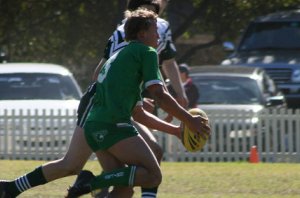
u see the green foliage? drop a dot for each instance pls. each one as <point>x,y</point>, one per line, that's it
<point>71,33</point>
<point>227,17</point>
<point>74,33</point>
<point>217,20</point>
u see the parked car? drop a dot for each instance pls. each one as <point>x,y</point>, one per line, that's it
<point>36,102</point>
<point>236,89</point>
<point>272,42</point>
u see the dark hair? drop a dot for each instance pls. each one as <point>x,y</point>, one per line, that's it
<point>135,4</point>
<point>183,67</point>
<point>140,19</point>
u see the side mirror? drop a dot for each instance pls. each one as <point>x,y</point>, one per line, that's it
<point>276,101</point>
<point>228,46</point>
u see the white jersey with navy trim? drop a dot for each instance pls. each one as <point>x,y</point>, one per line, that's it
<point>117,41</point>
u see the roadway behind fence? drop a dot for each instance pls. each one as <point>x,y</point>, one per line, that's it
<point>275,132</point>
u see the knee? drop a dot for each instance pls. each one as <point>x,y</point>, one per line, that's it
<point>70,168</point>
<point>156,179</point>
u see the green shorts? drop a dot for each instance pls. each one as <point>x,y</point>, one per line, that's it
<point>101,136</point>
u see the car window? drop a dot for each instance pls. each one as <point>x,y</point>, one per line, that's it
<point>23,86</point>
<point>228,91</point>
<point>272,35</point>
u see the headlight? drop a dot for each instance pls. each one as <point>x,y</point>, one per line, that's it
<point>226,62</point>
<point>296,76</point>
<point>254,120</point>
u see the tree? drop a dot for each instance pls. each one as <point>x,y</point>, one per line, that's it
<point>71,33</point>
<point>222,20</point>
<point>74,33</point>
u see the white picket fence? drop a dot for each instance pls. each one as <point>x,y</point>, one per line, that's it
<point>275,132</point>
<point>276,136</point>
<point>37,135</point>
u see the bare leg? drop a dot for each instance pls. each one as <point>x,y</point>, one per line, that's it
<point>150,139</point>
<point>74,160</point>
<point>109,163</point>
<point>135,151</point>
<point>72,163</point>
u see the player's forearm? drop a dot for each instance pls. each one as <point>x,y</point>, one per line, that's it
<point>171,70</point>
<point>153,122</point>
<point>169,105</point>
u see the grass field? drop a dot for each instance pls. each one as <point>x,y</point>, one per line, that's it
<point>189,180</point>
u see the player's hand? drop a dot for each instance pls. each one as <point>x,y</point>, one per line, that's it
<point>199,125</point>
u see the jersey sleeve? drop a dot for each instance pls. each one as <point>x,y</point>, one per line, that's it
<point>150,68</point>
<point>166,48</point>
<point>115,43</point>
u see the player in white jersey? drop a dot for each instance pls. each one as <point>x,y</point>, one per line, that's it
<point>166,49</point>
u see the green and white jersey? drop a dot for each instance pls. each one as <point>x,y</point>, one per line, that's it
<point>121,81</point>
<point>166,49</point>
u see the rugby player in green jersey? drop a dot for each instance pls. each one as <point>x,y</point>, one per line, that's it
<point>108,129</point>
<point>79,152</point>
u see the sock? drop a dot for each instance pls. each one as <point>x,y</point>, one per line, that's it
<point>149,192</point>
<point>25,182</point>
<point>119,177</point>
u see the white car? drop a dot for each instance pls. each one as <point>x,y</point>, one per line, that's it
<point>38,104</point>
<point>235,90</point>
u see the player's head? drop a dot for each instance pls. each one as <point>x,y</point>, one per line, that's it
<point>153,5</point>
<point>141,25</point>
<point>184,68</point>
<point>184,71</point>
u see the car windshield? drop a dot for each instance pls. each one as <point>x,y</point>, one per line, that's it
<point>214,90</point>
<point>23,86</point>
<point>272,36</point>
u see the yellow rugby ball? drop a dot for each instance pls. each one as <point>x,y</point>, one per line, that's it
<point>191,141</point>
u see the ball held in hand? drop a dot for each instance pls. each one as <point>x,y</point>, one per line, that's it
<point>192,141</point>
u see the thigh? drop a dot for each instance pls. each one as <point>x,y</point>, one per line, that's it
<point>150,140</point>
<point>135,151</point>
<point>74,160</point>
<point>108,161</point>
<point>79,151</point>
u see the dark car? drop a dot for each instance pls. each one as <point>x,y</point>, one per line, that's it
<point>241,92</point>
<point>272,42</point>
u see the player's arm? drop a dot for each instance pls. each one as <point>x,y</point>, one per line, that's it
<point>168,103</point>
<point>108,52</point>
<point>97,69</point>
<point>151,121</point>
<point>167,56</point>
<point>148,105</point>
<point>170,68</point>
